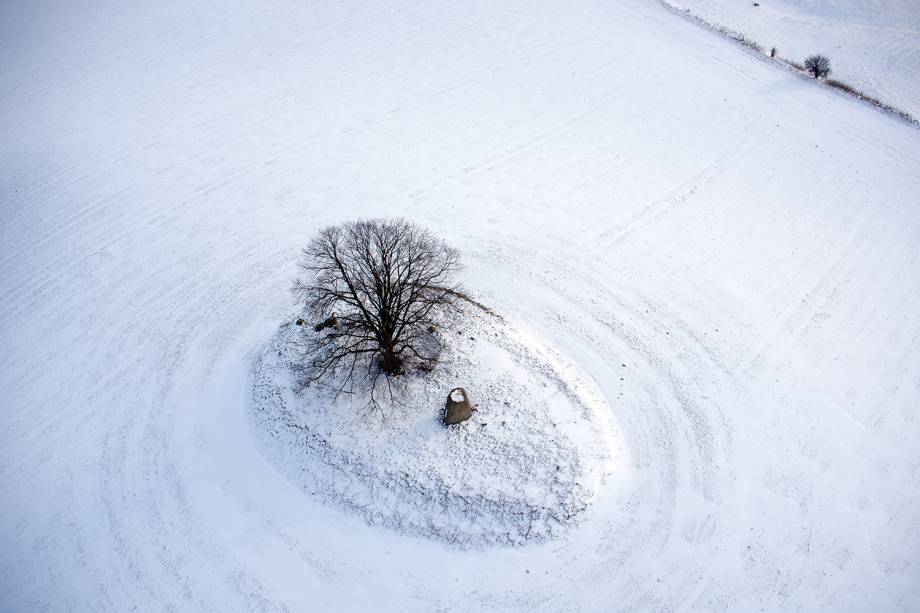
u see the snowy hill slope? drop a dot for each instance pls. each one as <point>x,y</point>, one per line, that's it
<point>874,45</point>
<point>728,251</point>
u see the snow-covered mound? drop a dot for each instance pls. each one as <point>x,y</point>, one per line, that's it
<point>524,467</point>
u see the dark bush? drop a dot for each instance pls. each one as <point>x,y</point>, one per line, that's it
<point>818,65</point>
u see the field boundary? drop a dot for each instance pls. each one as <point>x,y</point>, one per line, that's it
<point>742,39</point>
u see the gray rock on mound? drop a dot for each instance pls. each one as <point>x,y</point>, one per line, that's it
<point>458,407</point>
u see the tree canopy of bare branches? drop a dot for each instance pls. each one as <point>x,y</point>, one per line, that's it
<point>818,65</point>
<point>378,290</point>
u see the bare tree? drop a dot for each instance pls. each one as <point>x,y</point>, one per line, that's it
<point>378,290</point>
<point>818,65</point>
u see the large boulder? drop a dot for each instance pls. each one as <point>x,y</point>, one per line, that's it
<point>458,407</point>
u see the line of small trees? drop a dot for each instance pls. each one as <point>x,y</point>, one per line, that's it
<point>816,65</point>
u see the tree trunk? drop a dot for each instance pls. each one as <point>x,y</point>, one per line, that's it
<point>390,362</point>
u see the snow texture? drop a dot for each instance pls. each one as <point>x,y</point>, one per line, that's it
<point>726,251</point>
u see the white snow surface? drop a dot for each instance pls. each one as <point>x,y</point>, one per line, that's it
<point>524,467</point>
<point>873,45</point>
<point>728,253</point>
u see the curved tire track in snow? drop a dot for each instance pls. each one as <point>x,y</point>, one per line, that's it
<point>153,205</point>
<point>658,375</point>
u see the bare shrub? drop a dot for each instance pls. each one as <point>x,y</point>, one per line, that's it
<point>818,65</point>
<point>378,290</point>
<point>861,95</point>
<point>740,38</point>
<point>845,87</point>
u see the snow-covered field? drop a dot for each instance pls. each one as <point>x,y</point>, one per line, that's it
<point>873,45</point>
<point>728,253</point>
